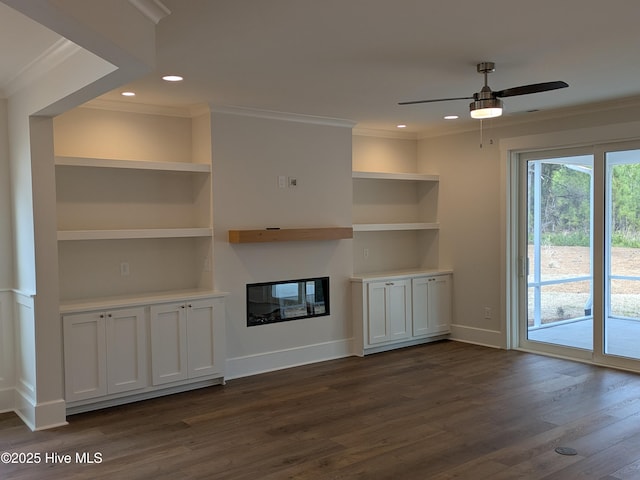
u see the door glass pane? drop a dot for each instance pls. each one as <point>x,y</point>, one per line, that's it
<point>622,300</point>
<point>559,274</point>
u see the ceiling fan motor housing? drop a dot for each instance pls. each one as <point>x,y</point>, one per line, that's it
<point>486,67</point>
<point>485,103</point>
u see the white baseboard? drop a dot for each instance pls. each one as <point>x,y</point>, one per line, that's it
<point>269,361</point>
<point>478,336</point>
<point>128,397</point>
<point>40,416</point>
<point>7,356</point>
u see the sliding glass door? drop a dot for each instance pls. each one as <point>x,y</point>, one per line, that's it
<point>622,246</point>
<point>559,250</point>
<point>579,253</point>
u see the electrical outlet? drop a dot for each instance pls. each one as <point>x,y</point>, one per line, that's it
<point>124,269</point>
<point>488,313</point>
<point>365,253</point>
<point>293,182</point>
<point>282,181</point>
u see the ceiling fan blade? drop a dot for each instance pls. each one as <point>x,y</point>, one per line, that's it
<point>527,89</point>
<point>435,100</point>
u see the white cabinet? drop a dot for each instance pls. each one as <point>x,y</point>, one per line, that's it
<point>104,353</point>
<point>186,340</point>
<point>168,326</point>
<point>388,311</point>
<point>431,303</point>
<point>135,235</point>
<point>401,309</point>
<point>116,352</point>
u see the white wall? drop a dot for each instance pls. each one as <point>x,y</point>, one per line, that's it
<point>472,206</point>
<point>385,154</point>
<point>249,153</point>
<point>98,133</point>
<point>6,251</point>
<point>6,270</point>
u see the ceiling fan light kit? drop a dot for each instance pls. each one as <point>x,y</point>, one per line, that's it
<point>486,103</point>
<point>489,108</point>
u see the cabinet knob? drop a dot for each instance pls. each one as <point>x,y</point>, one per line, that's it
<point>190,306</point>
<point>181,306</point>
<point>109,315</point>
<point>389,283</point>
<point>101,315</point>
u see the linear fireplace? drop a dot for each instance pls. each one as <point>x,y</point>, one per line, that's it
<point>281,301</point>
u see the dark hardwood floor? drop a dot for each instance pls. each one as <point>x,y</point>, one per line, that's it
<point>440,411</point>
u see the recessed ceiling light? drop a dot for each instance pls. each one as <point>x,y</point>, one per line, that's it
<point>451,117</point>
<point>172,78</point>
<point>401,126</point>
<point>128,94</point>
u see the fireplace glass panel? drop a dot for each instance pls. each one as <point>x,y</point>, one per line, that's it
<point>281,301</point>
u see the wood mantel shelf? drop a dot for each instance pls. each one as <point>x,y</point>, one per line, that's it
<point>289,234</point>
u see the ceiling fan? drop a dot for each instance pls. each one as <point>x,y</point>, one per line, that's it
<point>486,103</point>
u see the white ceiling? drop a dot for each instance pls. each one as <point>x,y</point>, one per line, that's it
<point>355,59</point>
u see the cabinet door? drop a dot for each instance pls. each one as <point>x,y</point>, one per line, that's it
<point>399,309</point>
<point>84,356</point>
<point>126,350</point>
<point>439,313</point>
<point>389,311</point>
<point>431,305</point>
<point>168,327</point>
<point>204,351</point>
<point>420,304</point>
<point>377,327</point>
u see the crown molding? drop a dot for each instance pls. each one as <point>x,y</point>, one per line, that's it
<point>154,10</point>
<point>285,116</point>
<point>45,62</point>
<point>372,132</point>
<point>199,110</point>
<point>130,107</point>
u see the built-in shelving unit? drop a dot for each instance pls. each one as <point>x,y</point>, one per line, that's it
<point>139,312</point>
<point>395,220</point>
<point>133,195</point>
<point>289,234</point>
<point>400,294</point>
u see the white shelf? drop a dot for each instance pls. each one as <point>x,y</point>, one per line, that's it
<point>125,301</point>
<point>133,233</point>
<point>420,177</point>
<point>406,273</point>
<point>133,164</point>
<point>380,227</point>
